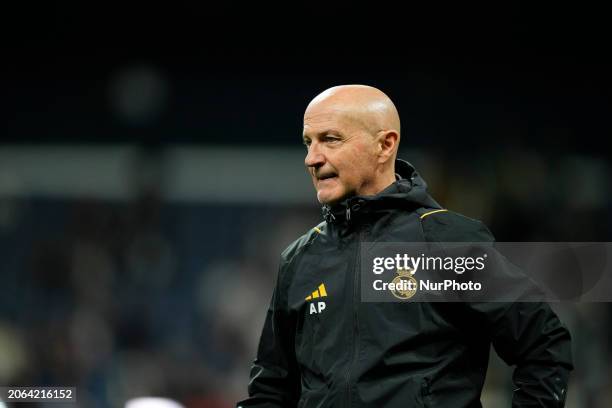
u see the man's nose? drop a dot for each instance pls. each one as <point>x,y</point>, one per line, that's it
<point>314,158</point>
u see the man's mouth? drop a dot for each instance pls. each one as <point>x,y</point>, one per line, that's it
<point>326,176</point>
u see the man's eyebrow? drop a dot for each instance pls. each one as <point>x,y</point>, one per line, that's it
<point>323,133</point>
<point>332,131</point>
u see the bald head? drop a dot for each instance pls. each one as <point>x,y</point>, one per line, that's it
<point>352,135</point>
<point>365,105</point>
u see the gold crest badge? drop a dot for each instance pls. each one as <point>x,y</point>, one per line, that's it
<point>405,284</point>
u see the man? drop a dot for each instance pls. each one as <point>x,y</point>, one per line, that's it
<point>322,346</point>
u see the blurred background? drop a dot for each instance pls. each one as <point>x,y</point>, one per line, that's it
<point>151,172</point>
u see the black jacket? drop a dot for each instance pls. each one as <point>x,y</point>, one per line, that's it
<point>412,354</point>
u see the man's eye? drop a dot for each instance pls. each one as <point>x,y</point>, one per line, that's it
<point>331,139</point>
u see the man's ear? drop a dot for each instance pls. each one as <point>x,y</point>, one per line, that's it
<point>388,141</point>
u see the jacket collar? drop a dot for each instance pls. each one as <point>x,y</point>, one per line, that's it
<point>409,192</point>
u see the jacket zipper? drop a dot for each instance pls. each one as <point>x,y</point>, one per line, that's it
<point>355,350</point>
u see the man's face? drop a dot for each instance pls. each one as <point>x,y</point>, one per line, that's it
<point>342,156</point>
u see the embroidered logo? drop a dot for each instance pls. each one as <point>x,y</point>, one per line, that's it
<point>318,306</point>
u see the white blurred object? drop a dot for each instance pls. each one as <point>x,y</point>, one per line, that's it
<point>152,402</point>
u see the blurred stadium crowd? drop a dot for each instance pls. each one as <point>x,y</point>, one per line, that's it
<point>146,296</point>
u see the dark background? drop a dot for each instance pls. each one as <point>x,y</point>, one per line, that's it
<point>465,76</point>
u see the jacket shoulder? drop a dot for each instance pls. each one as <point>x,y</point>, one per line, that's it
<point>300,244</point>
<point>450,226</point>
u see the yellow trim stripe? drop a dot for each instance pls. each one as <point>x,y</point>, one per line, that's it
<point>318,230</point>
<point>432,212</point>
<point>322,290</point>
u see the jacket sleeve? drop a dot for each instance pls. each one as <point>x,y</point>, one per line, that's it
<point>528,335</point>
<point>274,379</point>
